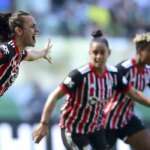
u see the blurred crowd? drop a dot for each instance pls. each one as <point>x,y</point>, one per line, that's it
<point>79,17</point>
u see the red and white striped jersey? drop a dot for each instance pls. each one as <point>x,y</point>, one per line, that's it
<point>10,58</point>
<point>120,109</point>
<point>88,93</point>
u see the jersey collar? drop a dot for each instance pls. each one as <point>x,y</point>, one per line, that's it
<point>96,73</point>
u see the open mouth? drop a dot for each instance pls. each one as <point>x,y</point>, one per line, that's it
<point>33,37</point>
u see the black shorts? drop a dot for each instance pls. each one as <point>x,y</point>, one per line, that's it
<point>75,141</point>
<point>134,125</point>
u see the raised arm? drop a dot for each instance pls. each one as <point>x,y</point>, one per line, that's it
<point>42,128</point>
<point>138,97</point>
<point>43,53</point>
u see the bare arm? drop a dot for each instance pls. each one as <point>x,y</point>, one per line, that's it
<point>42,128</point>
<point>138,97</point>
<point>34,54</point>
<point>50,104</point>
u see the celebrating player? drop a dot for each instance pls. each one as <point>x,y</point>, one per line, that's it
<point>17,31</point>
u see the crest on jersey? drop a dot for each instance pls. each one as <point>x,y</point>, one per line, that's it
<point>92,100</point>
<point>68,81</point>
<point>5,49</point>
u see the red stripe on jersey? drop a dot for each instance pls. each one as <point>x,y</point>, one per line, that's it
<point>127,115</point>
<point>83,120</point>
<point>107,110</point>
<point>86,114</point>
<point>110,90</point>
<point>73,112</point>
<point>116,113</point>
<point>75,109</point>
<point>106,113</point>
<point>133,72</point>
<point>64,113</point>
<point>94,123</point>
<point>130,111</point>
<point>3,68</point>
<point>102,89</point>
<point>5,86</point>
<point>122,107</point>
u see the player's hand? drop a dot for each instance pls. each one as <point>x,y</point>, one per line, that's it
<point>40,132</point>
<point>47,51</point>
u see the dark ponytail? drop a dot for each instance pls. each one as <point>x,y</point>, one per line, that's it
<point>98,36</point>
<point>5,32</point>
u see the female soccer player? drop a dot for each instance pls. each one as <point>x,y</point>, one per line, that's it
<point>17,31</point>
<point>87,88</point>
<point>119,118</point>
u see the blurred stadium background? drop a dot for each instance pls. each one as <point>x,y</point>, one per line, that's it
<point>68,23</point>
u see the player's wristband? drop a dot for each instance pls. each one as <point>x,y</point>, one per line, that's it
<point>44,123</point>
